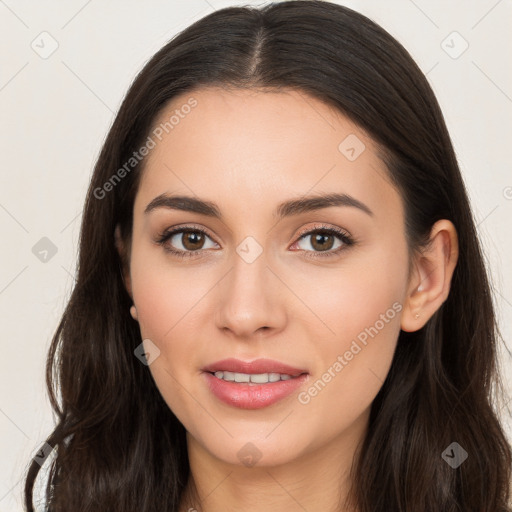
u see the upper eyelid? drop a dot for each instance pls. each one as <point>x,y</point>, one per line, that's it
<point>323,227</point>
<point>302,233</point>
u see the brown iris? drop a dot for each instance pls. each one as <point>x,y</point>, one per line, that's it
<point>318,241</point>
<point>192,240</point>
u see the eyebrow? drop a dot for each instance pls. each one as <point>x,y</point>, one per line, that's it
<point>285,209</point>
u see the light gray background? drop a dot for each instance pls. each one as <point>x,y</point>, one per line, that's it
<point>56,111</point>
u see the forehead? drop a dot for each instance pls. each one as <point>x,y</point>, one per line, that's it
<point>255,147</point>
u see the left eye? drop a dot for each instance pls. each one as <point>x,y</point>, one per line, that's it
<point>321,241</point>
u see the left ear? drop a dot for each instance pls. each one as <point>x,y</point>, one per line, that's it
<point>429,285</point>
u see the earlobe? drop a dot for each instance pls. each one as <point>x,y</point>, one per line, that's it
<point>429,286</point>
<point>413,315</point>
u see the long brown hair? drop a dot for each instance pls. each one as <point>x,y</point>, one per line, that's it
<point>118,446</point>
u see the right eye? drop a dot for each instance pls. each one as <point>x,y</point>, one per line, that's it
<point>191,239</point>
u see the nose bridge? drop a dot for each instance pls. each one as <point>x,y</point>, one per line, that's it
<point>248,286</point>
<point>247,300</point>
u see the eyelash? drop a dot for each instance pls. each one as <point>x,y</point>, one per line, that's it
<point>323,229</point>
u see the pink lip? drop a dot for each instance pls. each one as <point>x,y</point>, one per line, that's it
<point>253,396</point>
<point>256,366</point>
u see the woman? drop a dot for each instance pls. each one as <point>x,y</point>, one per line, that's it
<point>281,300</point>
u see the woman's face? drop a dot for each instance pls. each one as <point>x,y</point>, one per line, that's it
<point>261,282</point>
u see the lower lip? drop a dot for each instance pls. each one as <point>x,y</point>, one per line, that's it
<point>256,396</point>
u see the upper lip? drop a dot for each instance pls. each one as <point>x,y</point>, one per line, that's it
<point>253,367</point>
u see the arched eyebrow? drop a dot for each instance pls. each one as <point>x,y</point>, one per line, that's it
<point>285,209</point>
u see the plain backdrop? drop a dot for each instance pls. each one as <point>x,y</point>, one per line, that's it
<point>65,67</point>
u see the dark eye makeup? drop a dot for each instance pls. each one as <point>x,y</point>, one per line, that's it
<point>320,232</point>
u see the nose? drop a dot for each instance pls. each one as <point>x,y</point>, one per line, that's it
<point>251,299</point>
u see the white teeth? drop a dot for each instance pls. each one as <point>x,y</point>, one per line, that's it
<point>242,377</point>
<point>258,378</point>
<point>261,378</point>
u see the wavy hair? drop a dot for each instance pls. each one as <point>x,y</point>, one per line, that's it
<point>118,446</point>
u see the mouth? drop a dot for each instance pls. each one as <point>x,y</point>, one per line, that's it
<point>253,379</point>
<point>236,370</point>
<point>253,385</point>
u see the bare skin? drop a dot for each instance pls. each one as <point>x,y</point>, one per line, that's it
<point>248,151</point>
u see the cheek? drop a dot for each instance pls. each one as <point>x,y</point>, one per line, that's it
<point>166,295</point>
<point>172,303</point>
<point>352,367</point>
<point>363,294</point>
<point>361,311</point>
<point>168,302</point>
